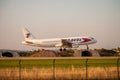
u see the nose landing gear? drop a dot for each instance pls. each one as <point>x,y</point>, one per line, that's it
<point>87,47</point>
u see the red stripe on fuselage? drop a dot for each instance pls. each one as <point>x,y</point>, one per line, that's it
<point>86,39</point>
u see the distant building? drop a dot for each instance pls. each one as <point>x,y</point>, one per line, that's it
<point>82,53</point>
<point>9,54</point>
<point>0,54</point>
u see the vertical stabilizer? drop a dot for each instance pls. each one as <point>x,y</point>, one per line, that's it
<point>27,34</point>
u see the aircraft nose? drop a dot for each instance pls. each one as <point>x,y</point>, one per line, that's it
<point>94,40</point>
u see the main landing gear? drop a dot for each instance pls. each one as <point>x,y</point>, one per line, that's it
<point>64,49</point>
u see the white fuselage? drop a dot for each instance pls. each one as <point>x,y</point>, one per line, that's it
<point>57,42</point>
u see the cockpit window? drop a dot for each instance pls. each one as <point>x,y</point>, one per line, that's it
<point>92,38</point>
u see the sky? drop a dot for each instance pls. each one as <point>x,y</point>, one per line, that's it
<point>60,18</point>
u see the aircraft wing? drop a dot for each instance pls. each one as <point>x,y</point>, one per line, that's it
<point>66,43</point>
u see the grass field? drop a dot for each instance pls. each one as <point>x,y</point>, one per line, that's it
<point>66,63</point>
<point>96,73</point>
<point>61,69</point>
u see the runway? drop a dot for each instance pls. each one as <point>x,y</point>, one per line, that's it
<point>58,58</point>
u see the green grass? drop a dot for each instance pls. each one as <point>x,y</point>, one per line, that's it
<point>66,63</point>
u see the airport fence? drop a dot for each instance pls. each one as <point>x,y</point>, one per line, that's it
<point>59,69</point>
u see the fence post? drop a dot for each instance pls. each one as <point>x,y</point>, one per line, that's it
<point>20,69</point>
<point>118,67</point>
<point>86,69</point>
<point>53,69</point>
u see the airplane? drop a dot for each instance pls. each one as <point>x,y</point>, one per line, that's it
<point>63,43</point>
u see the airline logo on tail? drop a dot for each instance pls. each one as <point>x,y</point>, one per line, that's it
<point>27,35</point>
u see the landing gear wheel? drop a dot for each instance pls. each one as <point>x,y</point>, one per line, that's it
<point>60,49</point>
<point>64,49</point>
